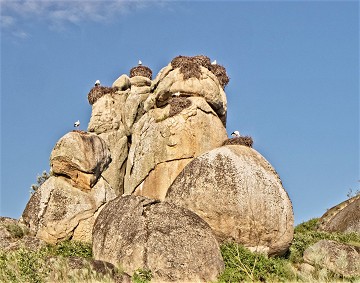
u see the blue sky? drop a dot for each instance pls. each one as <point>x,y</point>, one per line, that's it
<point>293,68</point>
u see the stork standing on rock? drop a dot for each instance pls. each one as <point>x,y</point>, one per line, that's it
<point>235,134</point>
<point>97,83</point>
<point>77,124</point>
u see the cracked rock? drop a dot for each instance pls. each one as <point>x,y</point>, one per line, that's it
<point>162,144</point>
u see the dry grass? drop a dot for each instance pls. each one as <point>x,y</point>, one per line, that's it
<point>177,104</point>
<point>141,71</point>
<point>98,91</point>
<point>190,68</point>
<point>247,141</point>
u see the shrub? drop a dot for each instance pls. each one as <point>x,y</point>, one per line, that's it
<point>40,180</point>
<point>142,276</point>
<point>15,230</point>
<point>70,249</point>
<point>243,265</point>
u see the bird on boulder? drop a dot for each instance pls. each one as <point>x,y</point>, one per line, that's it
<point>77,124</point>
<point>235,134</point>
<point>176,93</point>
<point>139,63</point>
<point>97,83</point>
<point>213,62</point>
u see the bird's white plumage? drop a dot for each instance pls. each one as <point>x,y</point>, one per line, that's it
<point>97,83</point>
<point>235,134</point>
<point>139,63</point>
<point>77,124</point>
<point>213,62</point>
<point>176,93</point>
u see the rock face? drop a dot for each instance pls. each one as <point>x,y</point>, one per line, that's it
<point>59,211</point>
<point>170,80</point>
<point>165,139</point>
<point>81,157</point>
<point>344,217</point>
<point>237,192</point>
<point>174,243</point>
<point>337,257</point>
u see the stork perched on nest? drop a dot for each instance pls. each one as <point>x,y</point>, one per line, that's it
<point>139,63</point>
<point>235,134</point>
<point>213,62</point>
<point>97,83</point>
<point>77,124</point>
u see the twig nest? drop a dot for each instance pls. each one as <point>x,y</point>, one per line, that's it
<point>190,68</point>
<point>220,72</point>
<point>141,71</point>
<point>177,104</point>
<point>98,91</point>
<point>247,141</point>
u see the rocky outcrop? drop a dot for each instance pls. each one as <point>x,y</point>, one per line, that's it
<point>81,157</point>
<point>170,81</point>
<point>59,211</point>
<point>165,139</point>
<point>174,243</point>
<point>337,257</point>
<point>238,193</point>
<point>344,217</point>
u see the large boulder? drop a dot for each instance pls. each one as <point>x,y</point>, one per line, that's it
<point>81,157</point>
<point>344,217</point>
<point>165,139</point>
<point>239,194</point>
<point>58,211</point>
<point>172,242</point>
<point>337,257</point>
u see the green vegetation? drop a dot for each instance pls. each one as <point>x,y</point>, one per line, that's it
<point>242,265</point>
<point>40,180</point>
<point>25,265</point>
<point>141,276</point>
<point>16,231</point>
<point>69,261</point>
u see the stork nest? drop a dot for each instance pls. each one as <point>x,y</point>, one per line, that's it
<point>141,71</point>
<point>220,72</point>
<point>98,91</point>
<point>177,104</point>
<point>190,68</point>
<point>247,141</point>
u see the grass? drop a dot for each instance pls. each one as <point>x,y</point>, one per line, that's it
<point>56,263</point>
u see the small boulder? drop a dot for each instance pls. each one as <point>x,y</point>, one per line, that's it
<point>56,210</point>
<point>344,217</point>
<point>172,242</point>
<point>80,156</point>
<point>337,257</point>
<point>122,83</point>
<point>238,193</point>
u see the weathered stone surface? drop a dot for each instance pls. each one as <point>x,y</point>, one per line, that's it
<point>338,257</point>
<point>238,193</point>
<point>11,231</point>
<point>133,109</point>
<point>122,83</point>
<point>55,210</point>
<point>344,217</point>
<point>107,113</point>
<point>140,81</point>
<point>170,81</point>
<point>80,156</point>
<point>168,143</point>
<point>172,242</point>
<point>117,143</point>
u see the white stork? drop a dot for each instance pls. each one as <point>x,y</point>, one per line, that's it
<point>235,134</point>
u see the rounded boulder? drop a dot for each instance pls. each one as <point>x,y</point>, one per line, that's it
<point>174,243</point>
<point>239,194</point>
